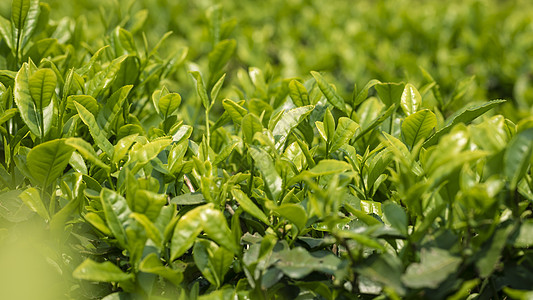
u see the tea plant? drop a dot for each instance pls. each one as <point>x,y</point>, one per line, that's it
<point>149,176</point>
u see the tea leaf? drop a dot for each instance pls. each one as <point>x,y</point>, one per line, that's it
<point>418,126</point>
<point>48,160</point>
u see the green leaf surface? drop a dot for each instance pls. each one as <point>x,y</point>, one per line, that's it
<point>235,111</point>
<point>248,206</point>
<point>213,261</point>
<point>112,108</point>
<point>298,93</point>
<point>517,157</point>
<point>298,262</point>
<point>19,12</point>
<point>346,129</point>
<point>264,163</point>
<point>116,213</point>
<point>221,55</point>
<point>48,160</point>
<point>250,125</point>
<point>418,126</point>
<point>152,264</point>
<point>329,92</point>
<point>294,213</point>
<point>434,267</point>
<point>390,93</point>
<point>32,198</point>
<point>410,100</point>
<point>42,86</point>
<point>87,151</point>
<point>464,115</point>
<point>103,272</point>
<point>288,121</point>
<point>98,135</point>
<point>201,89</point>
<point>396,216</point>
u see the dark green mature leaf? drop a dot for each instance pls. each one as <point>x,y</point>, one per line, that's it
<point>116,213</point>
<point>298,93</point>
<point>390,93</point>
<point>396,216</point>
<point>517,157</point>
<point>410,100</point>
<point>98,135</point>
<point>489,256</point>
<point>418,126</point>
<point>48,160</point>
<point>464,115</point>
<point>434,267</point>
<point>329,92</point>
<point>298,262</point>
<point>248,206</point>
<point>385,269</point>
<point>104,272</point>
<point>524,237</point>
<point>213,261</point>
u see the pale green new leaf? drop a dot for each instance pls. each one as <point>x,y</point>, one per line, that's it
<point>116,213</point>
<point>103,272</point>
<point>390,93</point>
<point>187,229</point>
<point>235,111</point>
<point>19,12</point>
<point>87,151</point>
<point>418,126</point>
<point>98,135</point>
<point>32,198</point>
<point>221,55</point>
<point>27,108</point>
<point>410,100</point>
<point>152,264</point>
<point>151,231</point>
<point>42,86</point>
<point>113,108</point>
<point>201,89</point>
<point>47,161</point>
<point>329,92</point>
<point>87,101</point>
<point>169,103</point>
<point>248,206</point>
<point>298,93</point>
<point>346,129</point>
<point>517,156</point>
<point>288,121</point>
<point>264,163</point>
<point>250,125</point>
<point>464,115</point>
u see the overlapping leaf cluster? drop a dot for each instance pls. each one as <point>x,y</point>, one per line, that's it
<point>284,188</point>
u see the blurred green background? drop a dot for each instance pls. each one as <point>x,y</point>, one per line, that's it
<point>354,41</point>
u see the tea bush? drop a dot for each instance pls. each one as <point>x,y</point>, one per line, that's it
<point>161,150</point>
